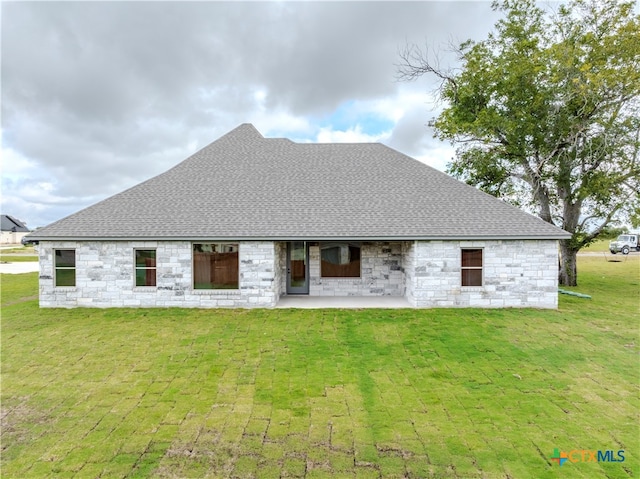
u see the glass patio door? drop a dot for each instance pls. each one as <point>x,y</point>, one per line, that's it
<point>297,267</point>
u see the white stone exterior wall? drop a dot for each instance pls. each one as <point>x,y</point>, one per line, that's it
<point>281,268</point>
<point>408,263</point>
<point>105,276</point>
<point>516,273</point>
<point>381,273</point>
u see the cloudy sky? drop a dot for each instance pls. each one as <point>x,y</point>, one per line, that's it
<point>97,97</point>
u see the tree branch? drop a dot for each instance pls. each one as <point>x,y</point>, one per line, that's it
<point>414,63</point>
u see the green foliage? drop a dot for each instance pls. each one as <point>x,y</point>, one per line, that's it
<point>612,232</point>
<point>559,110</point>
<point>441,393</point>
<point>546,112</point>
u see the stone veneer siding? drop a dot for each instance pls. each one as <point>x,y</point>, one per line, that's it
<point>381,272</point>
<point>517,273</point>
<point>105,276</point>
<point>281,268</point>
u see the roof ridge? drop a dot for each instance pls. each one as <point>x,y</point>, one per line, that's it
<point>244,129</point>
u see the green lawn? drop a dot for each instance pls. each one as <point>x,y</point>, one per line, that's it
<point>323,393</point>
<point>18,254</point>
<point>17,258</point>
<point>20,250</point>
<point>597,247</point>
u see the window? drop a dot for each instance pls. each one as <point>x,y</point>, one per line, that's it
<point>145,267</point>
<point>215,266</point>
<point>340,260</point>
<point>471,267</point>
<point>65,267</point>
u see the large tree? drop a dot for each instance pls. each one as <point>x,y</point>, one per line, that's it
<point>545,113</point>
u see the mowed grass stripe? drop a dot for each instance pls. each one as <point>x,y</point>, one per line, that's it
<point>322,393</point>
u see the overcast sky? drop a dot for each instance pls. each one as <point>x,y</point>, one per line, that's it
<point>97,97</point>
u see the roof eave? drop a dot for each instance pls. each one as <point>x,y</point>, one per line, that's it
<point>558,236</point>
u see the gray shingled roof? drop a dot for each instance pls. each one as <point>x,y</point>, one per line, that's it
<point>9,223</point>
<point>245,186</point>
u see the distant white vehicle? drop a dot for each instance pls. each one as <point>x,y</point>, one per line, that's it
<point>624,243</point>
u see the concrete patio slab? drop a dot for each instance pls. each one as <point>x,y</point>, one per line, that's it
<point>343,302</point>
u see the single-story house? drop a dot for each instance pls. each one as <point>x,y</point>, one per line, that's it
<point>12,230</point>
<point>248,220</point>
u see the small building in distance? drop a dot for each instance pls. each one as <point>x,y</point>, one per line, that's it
<point>13,230</point>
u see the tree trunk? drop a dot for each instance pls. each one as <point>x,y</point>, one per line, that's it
<point>568,275</point>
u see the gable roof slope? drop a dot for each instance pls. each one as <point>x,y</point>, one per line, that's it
<point>245,186</point>
<point>9,223</point>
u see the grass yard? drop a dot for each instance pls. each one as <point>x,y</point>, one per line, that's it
<point>597,246</point>
<point>17,258</point>
<point>324,393</point>
<point>18,254</point>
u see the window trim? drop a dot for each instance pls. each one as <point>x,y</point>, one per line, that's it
<point>193,269</point>
<point>73,268</point>
<point>467,268</point>
<point>144,268</point>
<point>355,243</point>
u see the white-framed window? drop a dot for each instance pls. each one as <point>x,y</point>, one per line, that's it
<point>65,267</point>
<point>145,267</point>
<point>471,266</point>
<point>216,266</point>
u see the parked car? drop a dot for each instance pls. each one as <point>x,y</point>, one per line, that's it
<point>27,241</point>
<point>624,243</point>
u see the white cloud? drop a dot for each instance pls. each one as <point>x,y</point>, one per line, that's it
<point>405,100</point>
<point>16,165</point>
<point>437,158</point>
